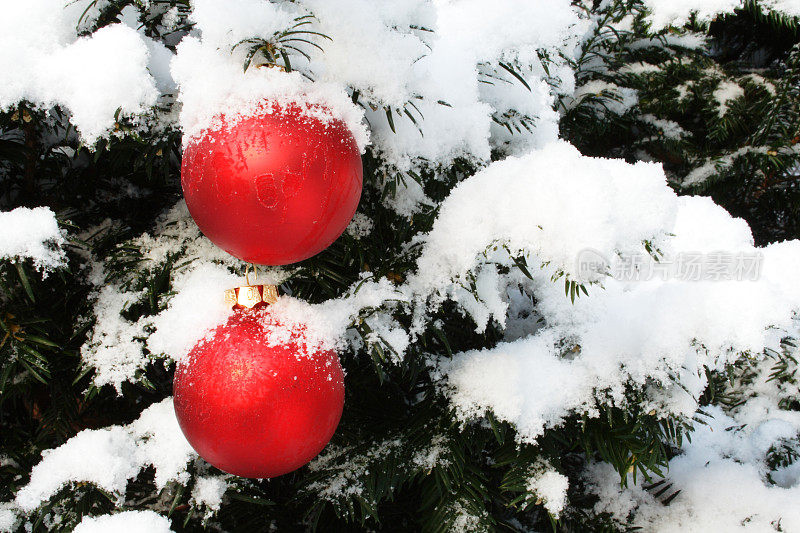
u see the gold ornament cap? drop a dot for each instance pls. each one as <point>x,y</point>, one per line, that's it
<point>250,296</point>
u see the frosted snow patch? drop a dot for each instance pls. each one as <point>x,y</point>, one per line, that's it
<point>360,226</point>
<point>726,92</point>
<point>324,325</point>
<point>113,348</point>
<point>8,518</point>
<point>208,492</point>
<point>668,128</point>
<point>551,203</point>
<point>32,234</point>
<point>787,7</point>
<point>665,13</point>
<point>125,522</point>
<point>44,61</point>
<point>549,487</point>
<point>625,331</point>
<point>382,27</point>
<point>616,99</point>
<point>723,461</point>
<point>196,308</point>
<point>109,457</point>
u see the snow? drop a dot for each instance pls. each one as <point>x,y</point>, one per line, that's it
<point>722,462</point>
<point>447,66</point>
<point>208,492</point>
<point>125,522</point>
<point>623,332</point>
<point>689,40</point>
<point>8,518</point>
<point>711,167</point>
<point>110,457</point>
<point>44,62</point>
<point>116,346</point>
<point>668,128</point>
<point>357,25</point>
<point>32,234</point>
<point>196,307</point>
<point>786,7</point>
<point>552,203</point>
<point>325,325</point>
<point>422,52</point>
<point>498,379</point>
<point>212,82</point>
<point>665,13</point>
<point>639,67</point>
<point>615,99</point>
<point>762,82</point>
<point>549,487</point>
<point>111,348</point>
<point>349,477</point>
<point>464,519</point>
<point>433,455</point>
<point>725,92</point>
<point>111,465</point>
<point>161,444</point>
<point>360,226</point>
<point>171,19</point>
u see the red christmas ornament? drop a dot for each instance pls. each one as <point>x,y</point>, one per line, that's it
<point>256,410</point>
<point>274,188</point>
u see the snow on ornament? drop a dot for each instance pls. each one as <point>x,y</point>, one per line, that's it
<point>253,398</point>
<point>275,187</point>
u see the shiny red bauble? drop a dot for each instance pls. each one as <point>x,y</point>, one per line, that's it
<point>273,188</point>
<point>254,409</point>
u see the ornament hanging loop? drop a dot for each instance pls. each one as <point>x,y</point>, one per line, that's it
<point>247,273</point>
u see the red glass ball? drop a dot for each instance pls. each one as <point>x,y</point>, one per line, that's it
<point>273,188</point>
<point>256,410</point>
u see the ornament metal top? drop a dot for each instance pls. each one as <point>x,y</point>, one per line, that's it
<point>275,187</point>
<point>250,296</point>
